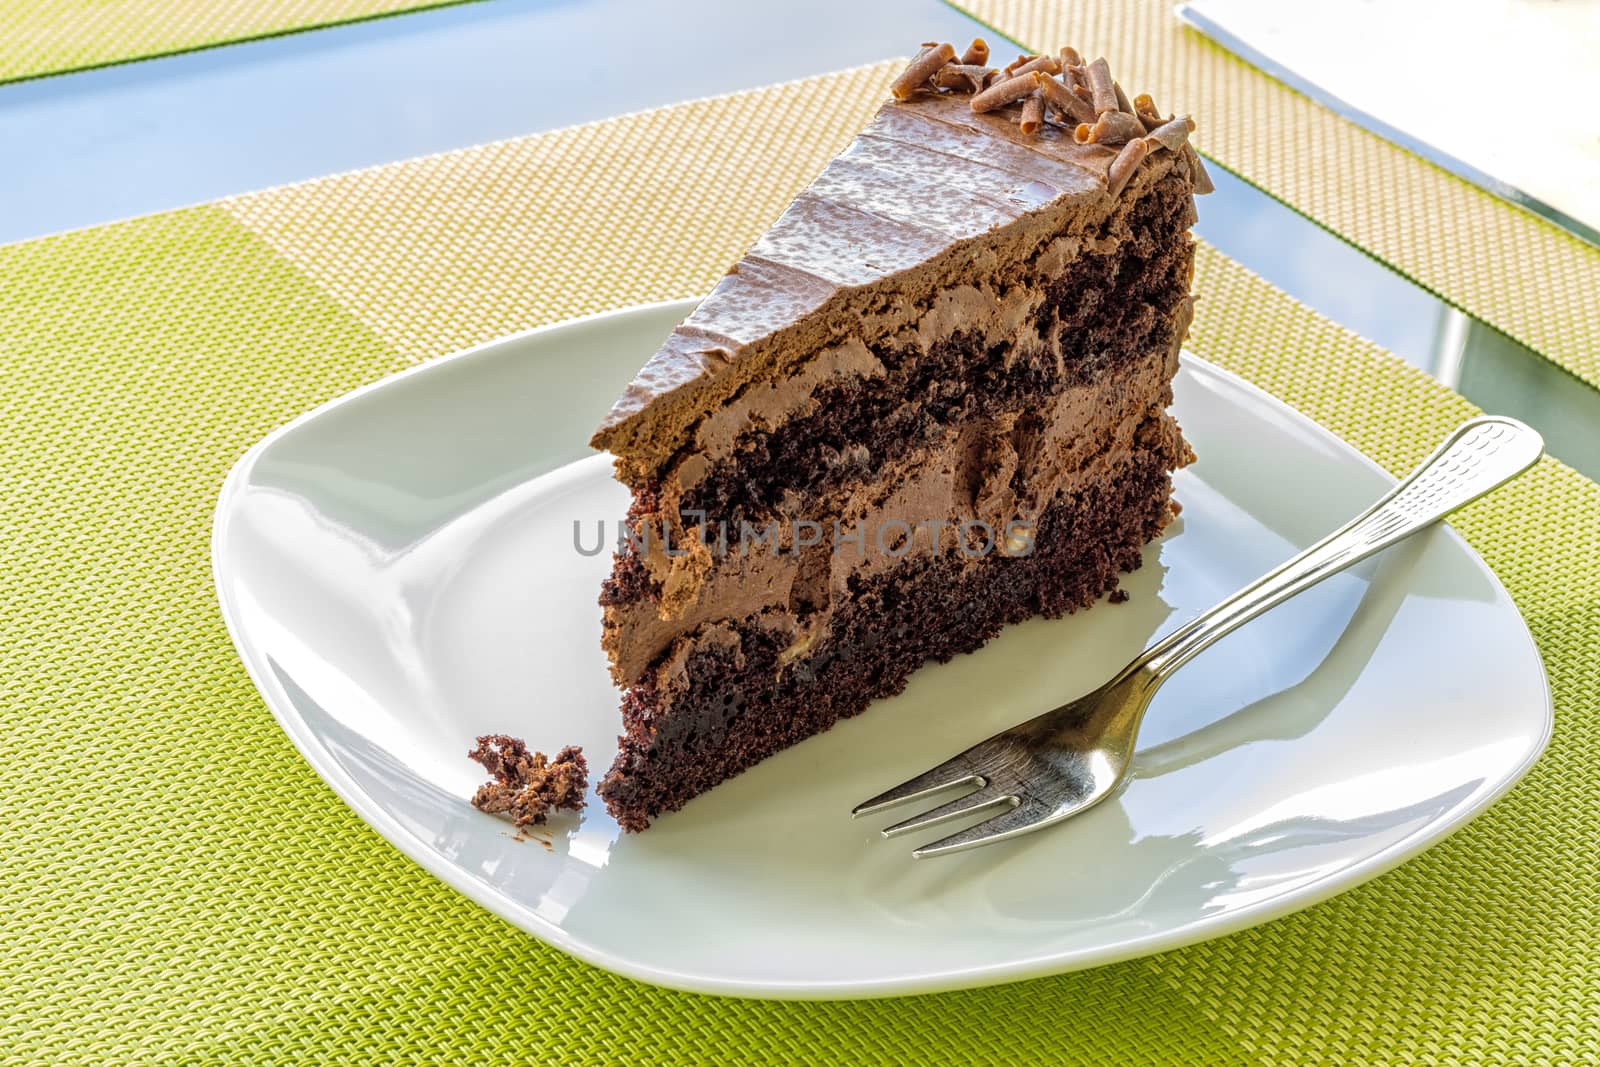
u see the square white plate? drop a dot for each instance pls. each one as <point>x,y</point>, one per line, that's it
<point>398,571</point>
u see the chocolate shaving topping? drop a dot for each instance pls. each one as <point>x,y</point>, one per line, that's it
<point>1145,108</point>
<point>962,77</point>
<point>1124,165</point>
<point>1085,98</point>
<point>1123,105</point>
<point>1002,93</point>
<point>1063,100</point>
<point>1113,127</point>
<point>1047,64</point>
<point>917,73</point>
<point>1172,135</point>
<point>1032,115</point>
<point>1202,180</point>
<point>1103,95</point>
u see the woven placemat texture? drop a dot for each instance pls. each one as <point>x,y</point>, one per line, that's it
<point>1530,279</point>
<point>180,887</point>
<point>39,37</point>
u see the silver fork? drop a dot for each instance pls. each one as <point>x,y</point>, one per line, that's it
<point>1065,761</point>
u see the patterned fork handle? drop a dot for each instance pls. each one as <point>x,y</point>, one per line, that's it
<point>1484,453</point>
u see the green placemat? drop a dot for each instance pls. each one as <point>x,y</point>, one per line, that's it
<point>179,886</point>
<point>39,37</point>
<point>1532,280</point>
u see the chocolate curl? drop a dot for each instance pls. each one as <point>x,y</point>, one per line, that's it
<point>1172,135</point>
<point>1047,64</point>
<point>916,75</point>
<point>1070,57</point>
<point>1127,109</point>
<point>1202,180</point>
<point>1032,115</point>
<point>1064,100</point>
<point>1114,127</point>
<point>1002,93</point>
<point>1124,165</point>
<point>1011,67</point>
<point>962,77</point>
<point>1102,94</point>
<point>1145,108</point>
<point>977,53</point>
<point>1122,99</point>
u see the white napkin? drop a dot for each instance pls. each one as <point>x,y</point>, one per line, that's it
<point>1505,93</point>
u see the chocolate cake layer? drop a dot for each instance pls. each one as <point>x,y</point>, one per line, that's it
<point>734,700</point>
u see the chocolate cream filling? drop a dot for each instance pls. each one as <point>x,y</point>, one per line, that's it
<point>1001,472</point>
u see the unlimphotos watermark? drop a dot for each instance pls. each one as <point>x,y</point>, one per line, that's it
<point>893,537</point>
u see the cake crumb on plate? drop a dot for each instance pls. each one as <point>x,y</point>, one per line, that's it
<point>525,785</point>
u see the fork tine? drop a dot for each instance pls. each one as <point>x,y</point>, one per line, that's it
<point>947,775</point>
<point>972,804</point>
<point>1022,819</point>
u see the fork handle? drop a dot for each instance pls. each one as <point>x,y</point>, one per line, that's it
<point>1481,455</point>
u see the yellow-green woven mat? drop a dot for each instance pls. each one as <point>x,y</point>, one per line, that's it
<point>179,886</point>
<point>39,37</point>
<point>1535,281</point>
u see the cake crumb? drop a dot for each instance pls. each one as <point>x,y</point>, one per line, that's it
<point>525,785</point>
<point>1118,596</point>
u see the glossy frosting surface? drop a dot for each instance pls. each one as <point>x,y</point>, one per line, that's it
<point>925,174</point>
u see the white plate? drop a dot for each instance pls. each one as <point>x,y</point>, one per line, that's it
<point>397,569</point>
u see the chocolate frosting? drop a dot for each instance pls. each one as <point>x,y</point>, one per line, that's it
<point>925,176</point>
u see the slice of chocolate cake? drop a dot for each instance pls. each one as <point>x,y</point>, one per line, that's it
<point>929,402</point>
